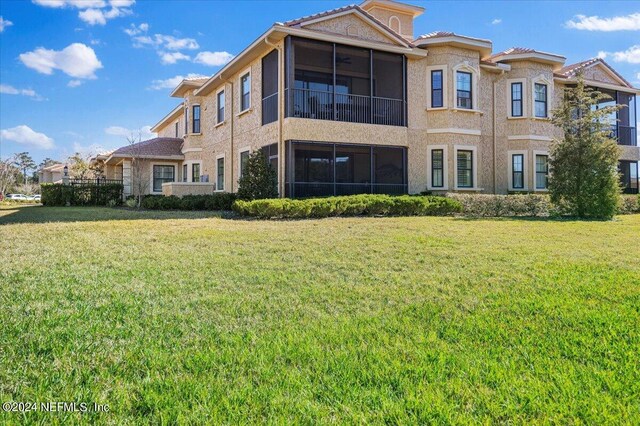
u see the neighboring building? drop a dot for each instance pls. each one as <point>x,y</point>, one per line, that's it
<point>51,174</point>
<point>348,101</point>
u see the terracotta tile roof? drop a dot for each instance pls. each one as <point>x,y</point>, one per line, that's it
<point>160,147</point>
<point>518,51</point>
<point>573,69</point>
<point>443,34</point>
<point>299,21</point>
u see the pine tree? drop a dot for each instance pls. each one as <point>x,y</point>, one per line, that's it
<point>259,179</point>
<point>584,179</point>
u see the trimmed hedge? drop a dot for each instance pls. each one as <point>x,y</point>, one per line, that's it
<point>57,194</point>
<point>218,201</point>
<point>629,204</point>
<point>352,205</point>
<point>489,205</point>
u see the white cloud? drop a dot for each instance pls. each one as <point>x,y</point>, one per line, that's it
<point>144,132</point>
<point>93,12</point>
<point>133,30</point>
<point>10,90</point>
<point>100,16</point>
<point>4,23</point>
<point>214,59</point>
<point>87,151</point>
<point>631,55</point>
<point>595,23</point>
<point>173,57</point>
<point>496,21</point>
<point>76,60</point>
<point>79,4</point>
<point>74,83</point>
<point>24,135</point>
<point>171,83</point>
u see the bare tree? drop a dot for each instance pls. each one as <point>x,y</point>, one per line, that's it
<point>8,174</point>
<point>139,168</point>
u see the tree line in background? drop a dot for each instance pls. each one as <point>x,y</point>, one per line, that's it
<point>20,173</point>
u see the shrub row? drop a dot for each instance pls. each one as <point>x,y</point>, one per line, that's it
<point>57,194</point>
<point>629,204</point>
<point>217,201</point>
<point>488,205</point>
<point>352,205</point>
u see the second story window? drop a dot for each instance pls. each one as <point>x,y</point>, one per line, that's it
<point>436,89</point>
<point>540,100</point>
<point>177,126</point>
<point>516,99</point>
<point>220,107</point>
<point>186,121</point>
<point>196,119</point>
<point>245,92</point>
<point>463,88</point>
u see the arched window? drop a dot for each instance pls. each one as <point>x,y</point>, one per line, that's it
<point>394,24</point>
<point>465,80</point>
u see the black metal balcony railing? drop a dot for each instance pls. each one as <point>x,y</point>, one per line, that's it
<point>320,105</point>
<point>270,109</point>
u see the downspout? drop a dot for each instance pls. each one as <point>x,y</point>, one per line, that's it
<point>281,156</point>
<point>233,118</point>
<point>495,141</point>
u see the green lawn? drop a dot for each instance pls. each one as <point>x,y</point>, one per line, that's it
<point>178,317</point>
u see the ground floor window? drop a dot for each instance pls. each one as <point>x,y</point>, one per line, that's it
<point>244,157</point>
<point>542,171</point>
<point>629,176</point>
<point>162,174</point>
<point>437,168</point>
<point>271,154</point>
<point>465,169</point>
<point>184,172</point>
<point>517,171</point>
<point>323,169</point>
<point>220,174</point>
<point>195,172</point>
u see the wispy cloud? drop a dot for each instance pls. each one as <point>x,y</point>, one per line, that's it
<point>4,23</point>
<point>93,12</point>
<point>213,59</point>
<point>76,60</point>
<point>144,132</point>
<point>595,23</point>
<point>10,90</point>
<point>24,135</point>
<point>631,55</point>
<point>74,83</point>
<point>173,57</point>
<point>496,21</point>
<point>171,83</point>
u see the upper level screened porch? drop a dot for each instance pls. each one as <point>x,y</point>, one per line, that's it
<point>329,81</point>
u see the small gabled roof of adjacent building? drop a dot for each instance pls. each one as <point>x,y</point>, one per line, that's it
<point>449,38</point>
<point>524,53</point>
<point>189,83</point>
<point>161,148</point>
<point>572,70</point>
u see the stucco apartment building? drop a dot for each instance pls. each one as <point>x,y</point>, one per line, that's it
<point>350,101</point>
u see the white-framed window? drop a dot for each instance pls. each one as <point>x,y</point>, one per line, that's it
<point>195,172</point>
<point>517,168</point>
<point>220,107</point>
<point>243,157</point>
<point>437,91</point>
<point>162,173</point>
<point>541,169</point>
<point>245,91</point>
<point>196,118</point>
<point>184,172</point>
<point>541,95</point>
<point>437,168</point>
<point>517,98</point>
<point>466,167</point>
<point>220,173</point>
<point>466,86</point>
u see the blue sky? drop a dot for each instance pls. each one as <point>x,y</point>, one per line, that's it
<point>81,74</point>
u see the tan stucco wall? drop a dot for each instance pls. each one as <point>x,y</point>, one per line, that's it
<point>168,130</point>
<point>384,16</point>
<point>181,189</point>
<point>352,26</point>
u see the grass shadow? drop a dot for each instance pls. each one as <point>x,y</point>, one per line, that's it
<point>41,214</point>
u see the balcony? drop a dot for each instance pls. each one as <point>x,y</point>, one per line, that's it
<point>328,81</point>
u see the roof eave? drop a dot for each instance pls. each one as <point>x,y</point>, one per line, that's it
<point>403,7</point>
<point>572,80</point>
<point>546,58</point>
<point>483,46</point>
<point>173,114</point>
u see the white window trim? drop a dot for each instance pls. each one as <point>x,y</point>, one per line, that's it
<point>474,151</point>
<point>240,152</point>
<point>220,123</point>
<point>525,175</point>
<point>445,168</point>
<point>175,166</point>
<point>248,108</point>
<point>525,97</point>
<point>445,84</point>
<point>466,67</point>
<point>541,79</point>
<point>533,170</point>
<point>224,176</point>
